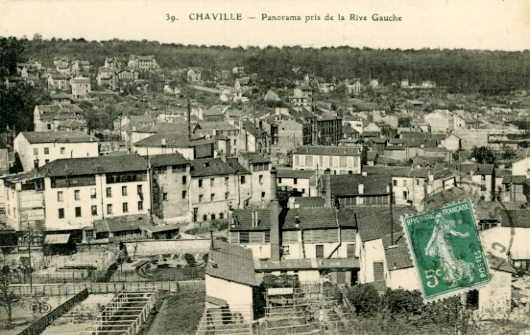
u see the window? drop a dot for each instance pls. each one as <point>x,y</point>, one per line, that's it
<point>77,195</point>
<point>46,161</point>
<point>303,190</point>
<point>164,196</point>
<point>94,210</point>
<point>139,189</point>
<point>35,151</point>
<point>212,181</point>
<point>125,207</point>
<point>109,209</point>
<point>221,216</point>
<point>36,163</point>
<point>200,197</point>
<point>226,180</point>
<point>395,182</point>
<point>295,181</point>
<point>213,216</point>
<point>285,250</point>
<point>243,179</point>
<point>63,150</point>
<point>109,192</point>
<point>14,211</point>
<point>92,193</point>
<point>200,182</point>
<point>78,212</point>
<point>404,195</point>
<point>279,180</point>
<point>184,180</point>
<point>124,190</point>
<point>183,194</point>
<point>140,205</point>
<point>61,213</point>
<point>417,181</point>
<point>262,195</point>
<point>350,250</point>
<point>212,197</point>
<point>261,179</point>
<point>244,237</point>
<point>319,251</point>
<point>59,196</point>
<point>227,194</point>
<point>205,217</point>
<point>405,182</point>
<point>48,126</point>
<point>46,151</point>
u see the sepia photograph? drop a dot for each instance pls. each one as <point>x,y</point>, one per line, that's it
<point>264,167</point>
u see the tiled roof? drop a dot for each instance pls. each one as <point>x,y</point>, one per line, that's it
<point>122,223</point>
<point>59,112</point>
<point>513,179</point>
<point>173,140</point>
<point>300,174</point>
<point>58,137</point>
<point>161,228</point>
<point>167,159</point>
<point>209,126</point>
<point>516,218</point>
<point>72,124</point>
<point>309,202</point>
<point>210,167</point>
<point>485,169</point>
<point>252,129</point>
<point>254,158</point>
<point>328,150</point>
<point>164,127</point>
<point>397,252</point>
<point>310,218</point>
<point>307,264</point>
<point>232,262</point>
<point>93,165</point>
<point>375,222</point>
<point>348,184</point>
<point>371,155</point>
<point>238,168</point>
<point>243,219</point>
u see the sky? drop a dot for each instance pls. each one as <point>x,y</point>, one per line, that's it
<point>460,24</point>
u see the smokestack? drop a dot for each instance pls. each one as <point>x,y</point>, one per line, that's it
<point>274,212</point>
<point>327,185</point>
<point>189,120</point>
<point>361,188</point>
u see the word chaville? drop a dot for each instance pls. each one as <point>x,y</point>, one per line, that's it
<point>216,16</point>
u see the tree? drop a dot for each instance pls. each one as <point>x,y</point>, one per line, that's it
<point>483,155</point>
<point>7,297</point>
<point>190,260</point>
<point>365,299</point>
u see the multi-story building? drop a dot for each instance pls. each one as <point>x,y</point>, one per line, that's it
<point>303,183</point>
<point>69,195</point>
<point>108,76</point>
<point>80,87</point>
<point>328,131</point>
<point>259,167</point>
<point>339,159</point>
<point>143,63</point>
<point>59,81</point>
<point>36,149</point>
<point>171,180</point>
<point>79,191</point>
<point>213,189</point>
<point>50,117</point>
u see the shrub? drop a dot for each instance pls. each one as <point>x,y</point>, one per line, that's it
<point>365,299</point>
<point>190,260</point>
<point>403,302</point>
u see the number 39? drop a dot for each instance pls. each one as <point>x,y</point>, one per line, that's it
<point>431,274</point>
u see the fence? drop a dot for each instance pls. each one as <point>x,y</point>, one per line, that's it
<point>38,326</point>
<point>110,287</point>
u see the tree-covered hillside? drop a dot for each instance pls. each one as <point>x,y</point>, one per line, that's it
<point>489,72</point>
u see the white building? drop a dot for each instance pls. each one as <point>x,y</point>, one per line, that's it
<point>339,159</point>
<point>36,149</point>
<point>301,181</point>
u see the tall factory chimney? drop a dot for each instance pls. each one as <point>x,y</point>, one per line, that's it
<point>274,212</point>
<point>189,120</point>
<point>327,185</point>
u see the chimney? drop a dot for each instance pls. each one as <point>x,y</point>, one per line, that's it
<point>189,120</point>
<point>163,141</point>
<point>361,188</point>
<point>327,185</point>
<point>274,212</point>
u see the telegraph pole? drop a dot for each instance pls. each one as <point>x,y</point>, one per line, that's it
<point>29,256</point>
<point>391,215</point>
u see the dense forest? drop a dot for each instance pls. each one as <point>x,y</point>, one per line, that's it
<point>488,72</point>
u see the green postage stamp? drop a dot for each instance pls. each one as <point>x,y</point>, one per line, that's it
<point>446,250</point>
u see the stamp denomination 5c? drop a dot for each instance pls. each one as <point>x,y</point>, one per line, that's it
<point>446,250</point>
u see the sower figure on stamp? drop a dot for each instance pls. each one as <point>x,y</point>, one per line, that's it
<point>439,246</point>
